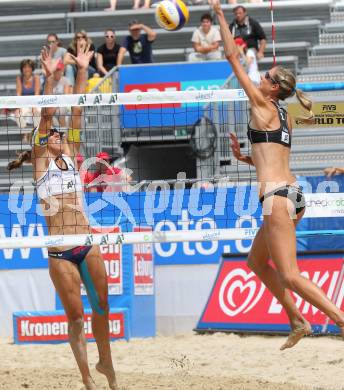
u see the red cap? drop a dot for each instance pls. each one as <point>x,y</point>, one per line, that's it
<point>240,42</point>
<point>60,65</point>
<point>103,156</point>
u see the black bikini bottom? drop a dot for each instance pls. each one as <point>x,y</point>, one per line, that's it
<point>293,193</point>
<point>75,255</point>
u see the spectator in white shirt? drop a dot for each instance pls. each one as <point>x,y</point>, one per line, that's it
<point>249,59</point>
<point>206,41</point>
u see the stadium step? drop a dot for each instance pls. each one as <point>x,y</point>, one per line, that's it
<point>320,77</point>
<point>331,38</point>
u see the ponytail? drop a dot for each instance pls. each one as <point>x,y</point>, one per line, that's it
<point>306,104</point>
<point>22,157</point>
<point>287,83</point>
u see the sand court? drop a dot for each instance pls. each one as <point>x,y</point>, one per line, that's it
<point>215,362</point>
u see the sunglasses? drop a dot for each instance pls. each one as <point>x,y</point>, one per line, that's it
<point>80,37</point>
<point>109,36</point>
<point>51,42</point>
<point>268,77</point>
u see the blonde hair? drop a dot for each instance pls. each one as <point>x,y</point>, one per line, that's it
<point>287,88</point>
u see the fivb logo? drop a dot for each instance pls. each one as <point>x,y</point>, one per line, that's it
<point>239,292</point>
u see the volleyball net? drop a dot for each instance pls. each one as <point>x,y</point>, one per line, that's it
<point>157,164</point>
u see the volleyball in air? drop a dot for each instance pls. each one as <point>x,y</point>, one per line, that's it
<point>171,15</point>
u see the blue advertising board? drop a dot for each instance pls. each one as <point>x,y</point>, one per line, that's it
<point>189,209</point>
<point>169,77</point>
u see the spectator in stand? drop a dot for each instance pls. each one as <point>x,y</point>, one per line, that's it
<point>249,30</point>
<point>138,45</point>
<point>80,42</point>
<point>333,171</point>
<point>57,51</point>
<point>146,4</point>
<point>60,87</point>
<point>107,54</point>
<point>250,1</point>
<point>27,84</point>
<point>113,5</point>
<point>206,41</point>
<point>249,60</point>
<point>105,177</point>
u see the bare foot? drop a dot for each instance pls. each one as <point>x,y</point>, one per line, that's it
<point>109,9</point>
<point>110,375</point>
<point>89,384</point>
<point>296,335</point>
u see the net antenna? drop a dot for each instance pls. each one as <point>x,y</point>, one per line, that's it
<point>273,32</point>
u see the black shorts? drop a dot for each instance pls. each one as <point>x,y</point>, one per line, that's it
<point>76,255</point>
<point>293,193</point>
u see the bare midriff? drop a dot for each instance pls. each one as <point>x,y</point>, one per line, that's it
<point>64,215</point>
<point>272,165</point>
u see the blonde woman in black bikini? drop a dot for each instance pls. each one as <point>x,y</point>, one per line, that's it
<point>282,199</point>
<point>59,187</point>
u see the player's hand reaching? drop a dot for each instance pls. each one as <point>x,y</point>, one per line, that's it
<point>83,57</point>
<point>48,63</point>
<point>235,146</point>
<point>217,6</point>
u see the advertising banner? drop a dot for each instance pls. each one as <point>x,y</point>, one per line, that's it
<point>52,327</point>
<point>327,114</point>
<point>143,265</point>
<point>240,301</point>
<point>112,256</point>
<point>324,205</point>
<point>169,77</point>
<point>181,209</point>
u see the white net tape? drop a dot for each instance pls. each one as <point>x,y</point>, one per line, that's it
<point>228,114</point>
<point>106,99</point>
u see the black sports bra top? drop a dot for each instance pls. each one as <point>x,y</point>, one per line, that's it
<point>280,136</point>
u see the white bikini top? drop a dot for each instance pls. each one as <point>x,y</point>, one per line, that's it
<point>57,181</point>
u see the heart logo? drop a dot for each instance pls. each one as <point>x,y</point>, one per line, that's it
<point>239,279</point>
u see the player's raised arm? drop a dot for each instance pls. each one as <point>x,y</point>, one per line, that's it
<point>232,55</point>
<point>40,135</point>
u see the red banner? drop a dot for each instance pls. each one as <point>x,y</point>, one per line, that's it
<point>239,297</point>
<point>143,265</point>
<point>54,327</point>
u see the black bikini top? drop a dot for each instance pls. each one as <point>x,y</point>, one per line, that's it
<point>280,136</point>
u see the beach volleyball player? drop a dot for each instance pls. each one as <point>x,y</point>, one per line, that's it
<point>269,132</point>
<point>59,187</point>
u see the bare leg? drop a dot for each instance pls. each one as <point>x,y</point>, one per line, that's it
<point>113,4</point>
<point>136,4</point>
<point>258,261</point>
<point>100,323</point>
<point>280,236</point>
<point>66,279</point>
